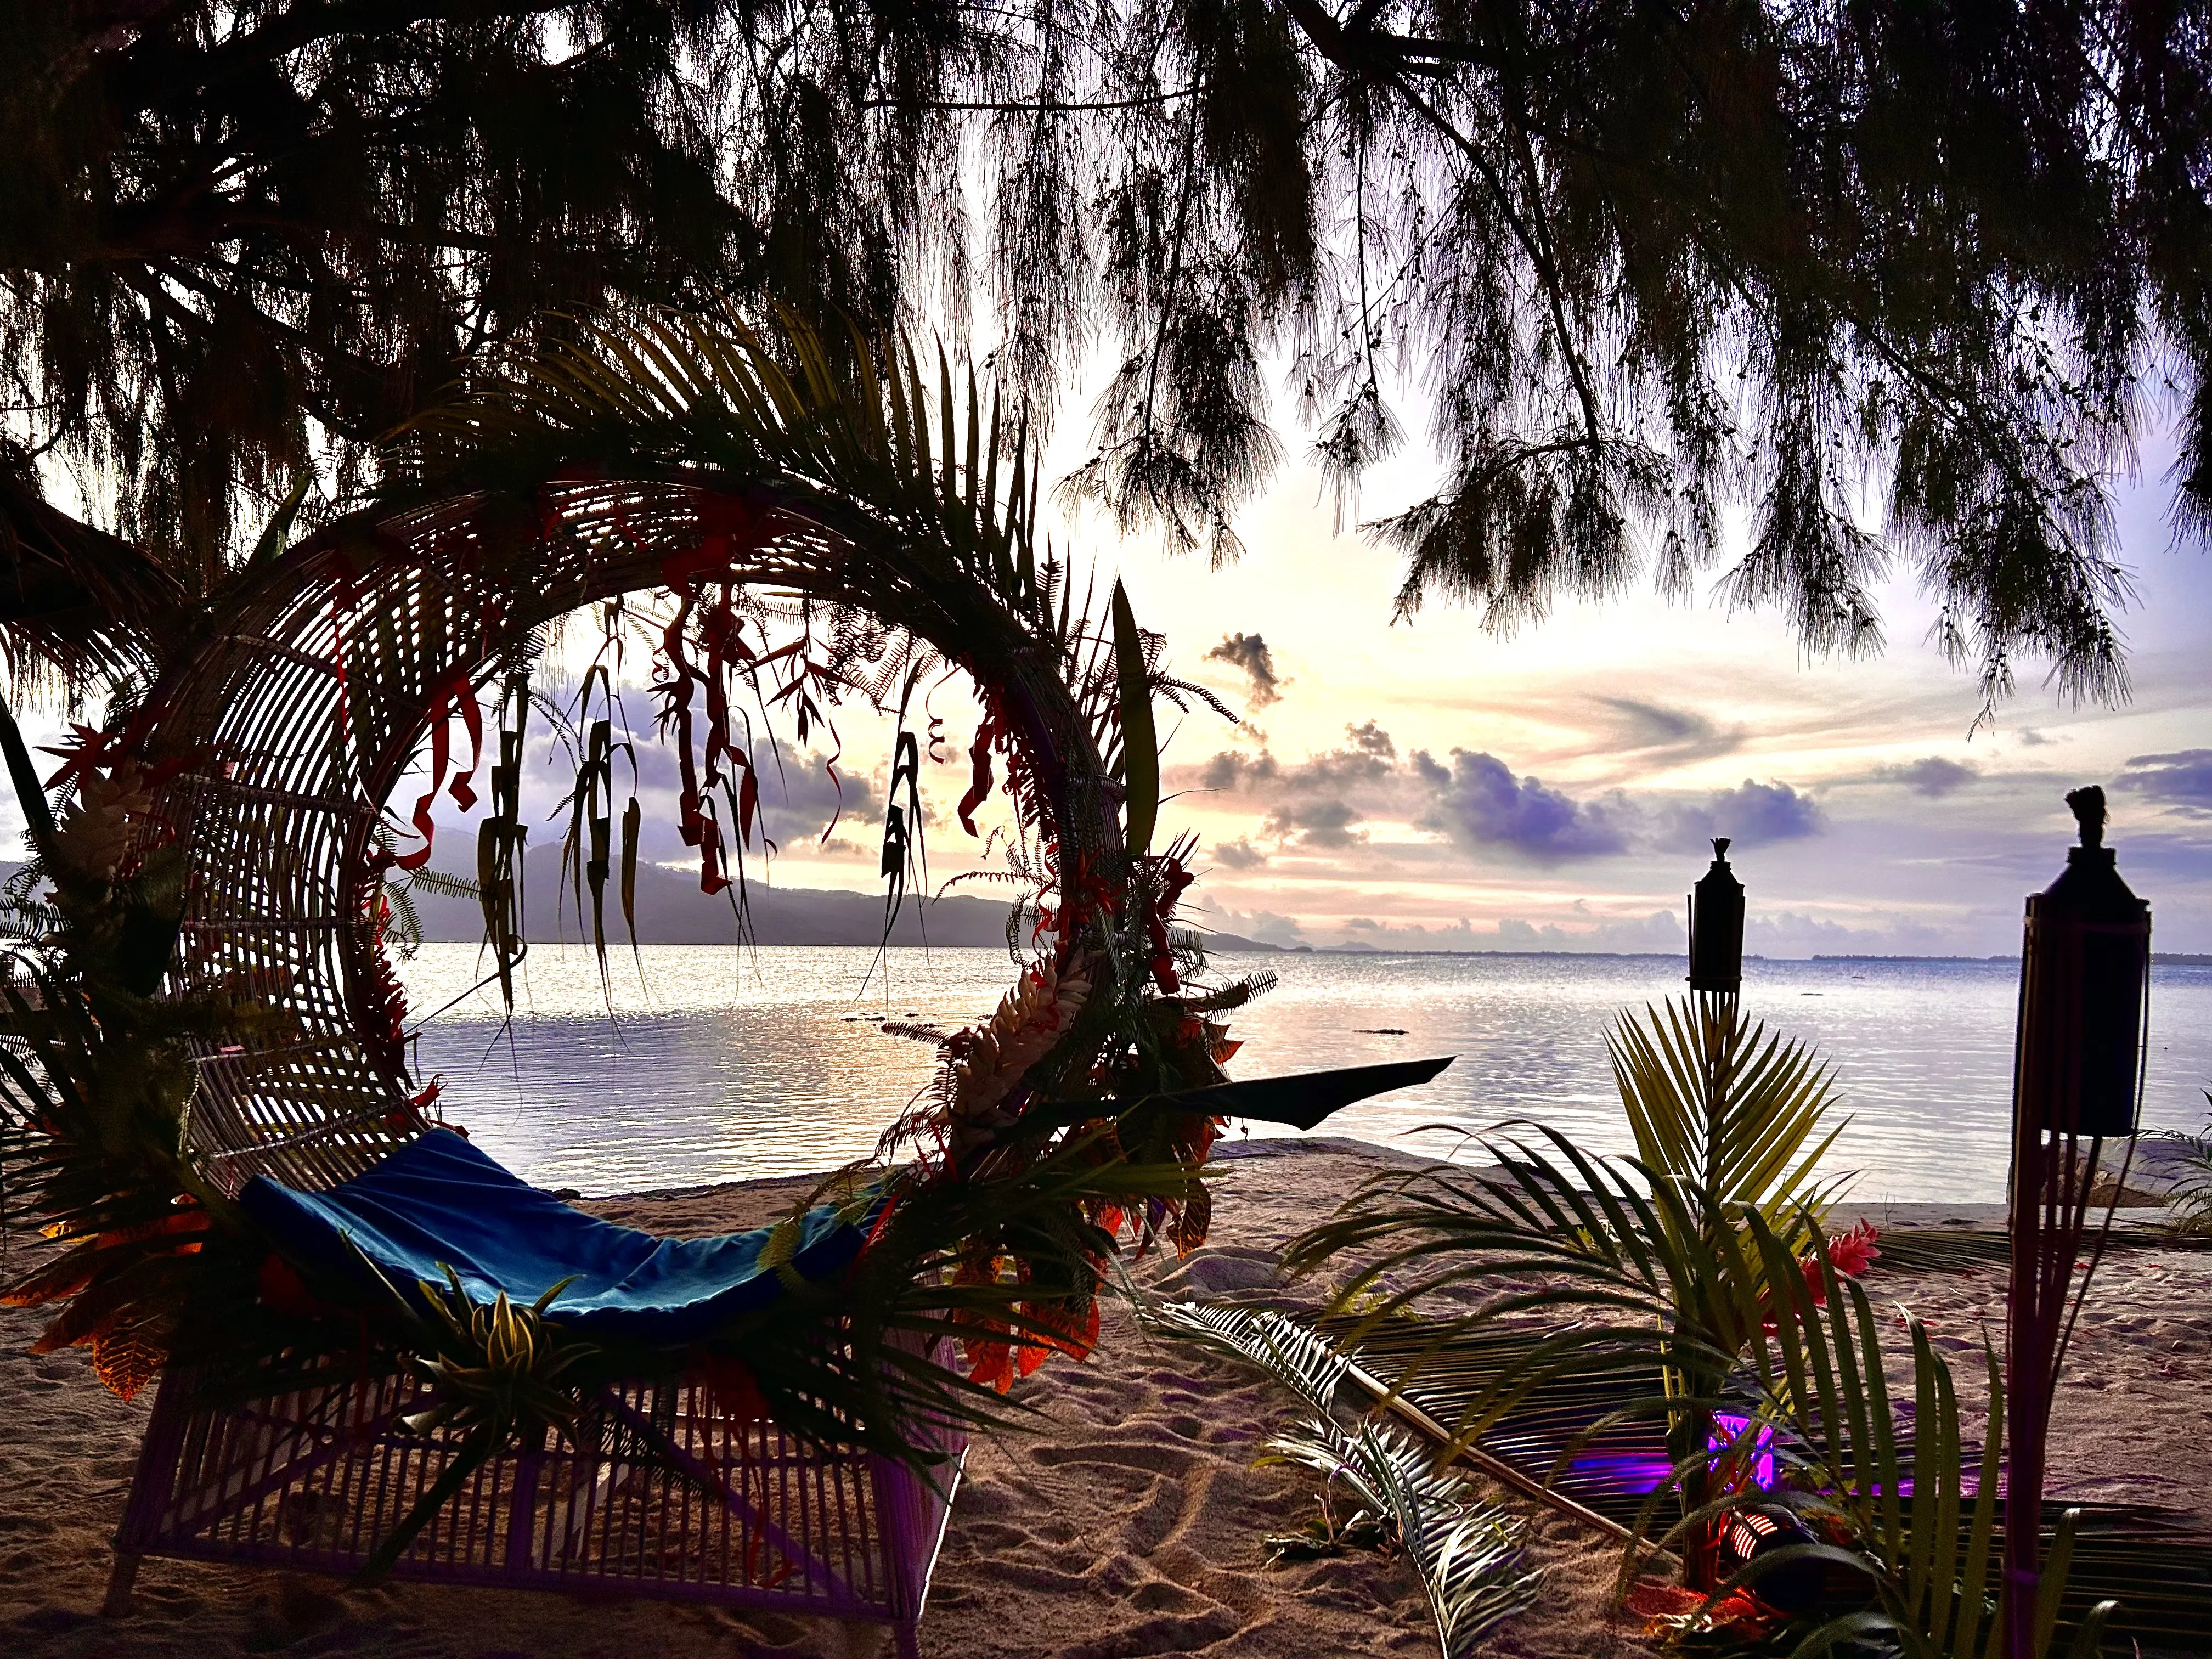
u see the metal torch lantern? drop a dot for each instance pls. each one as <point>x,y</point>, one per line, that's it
<point>2077,1074</point>
<point>1717,928</point>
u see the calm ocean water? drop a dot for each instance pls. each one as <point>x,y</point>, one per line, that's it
<point>724,1064</point>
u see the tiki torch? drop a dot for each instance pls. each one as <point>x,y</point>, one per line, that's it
<point>1717,928</point>
<point>2077,1075</point>
<point>1716,983</point>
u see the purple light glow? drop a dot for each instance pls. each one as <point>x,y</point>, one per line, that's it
<point>1626,1472</point>
<point>1726,1427</point>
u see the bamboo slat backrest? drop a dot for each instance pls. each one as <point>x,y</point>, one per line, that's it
<point>295,718</point>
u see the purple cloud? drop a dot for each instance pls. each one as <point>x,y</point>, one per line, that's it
<point>1477,800</point>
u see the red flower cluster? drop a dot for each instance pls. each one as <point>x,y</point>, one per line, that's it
<point>1850,1253</point>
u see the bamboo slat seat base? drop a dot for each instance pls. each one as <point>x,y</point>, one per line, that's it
<point>681,1502</point>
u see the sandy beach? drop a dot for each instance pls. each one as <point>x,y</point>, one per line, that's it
<point>1128,1523</point>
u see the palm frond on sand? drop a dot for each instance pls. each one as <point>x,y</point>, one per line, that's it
<point>1467,1553</point>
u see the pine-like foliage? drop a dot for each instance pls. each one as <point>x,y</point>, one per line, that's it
<point>232,228</point>
<point>1645,263</point>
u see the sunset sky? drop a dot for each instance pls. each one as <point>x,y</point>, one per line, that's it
<point>1418,783</point>
<point>1422,784</point>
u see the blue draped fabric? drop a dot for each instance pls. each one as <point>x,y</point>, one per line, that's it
<point>439,1202</point>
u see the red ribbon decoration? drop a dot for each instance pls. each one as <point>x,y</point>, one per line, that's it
<point>455,694</point>
<point>979,754</point>
<point>1173,879</point>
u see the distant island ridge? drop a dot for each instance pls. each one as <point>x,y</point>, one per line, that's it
<point>671,911</point>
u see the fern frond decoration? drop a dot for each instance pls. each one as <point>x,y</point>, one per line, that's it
<point>444,885</point>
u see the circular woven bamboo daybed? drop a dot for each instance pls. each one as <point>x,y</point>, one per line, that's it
<point>254,1204</point>
<point>262,765</point>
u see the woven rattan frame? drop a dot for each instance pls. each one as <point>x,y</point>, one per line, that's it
<point>293,720</point>
<point>733,1510</point>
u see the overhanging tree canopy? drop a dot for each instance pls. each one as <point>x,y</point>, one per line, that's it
<point>1641,262</point>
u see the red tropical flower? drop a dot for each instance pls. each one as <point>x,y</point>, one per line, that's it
<point>1850,1253</point>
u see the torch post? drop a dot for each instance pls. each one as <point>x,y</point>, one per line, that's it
<point>1716,928</point>
<point>2077,1076</point>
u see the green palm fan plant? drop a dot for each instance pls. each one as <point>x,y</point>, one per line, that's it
<point>1651,1255</point>
<point>1597,1266</point>
<point>1736,1113</point>
<point>1718,1100</point>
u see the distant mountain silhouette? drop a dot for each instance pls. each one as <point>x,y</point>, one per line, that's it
<point>671,911</point>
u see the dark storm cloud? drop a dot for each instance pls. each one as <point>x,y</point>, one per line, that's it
<point>1369,757</point>
<point>1249,655</point>
<point>2182,779</point>
<point>1227,771</point>
<point>1368,739</point>
<point>803,797</point>
<point>1751,815</point>
<point>1932,776</point>
<point>1317,802</point>
<point>1479,804</point>
<point>1477,801</point>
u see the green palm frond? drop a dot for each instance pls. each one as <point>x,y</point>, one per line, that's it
<point>496,1372</point>
<point>2189,1213</point>
<point>848,441</point>
<point>1140,750</point>
<point>1717,1101</point>
<point>1610,1254</point>
<point>25,918</point>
